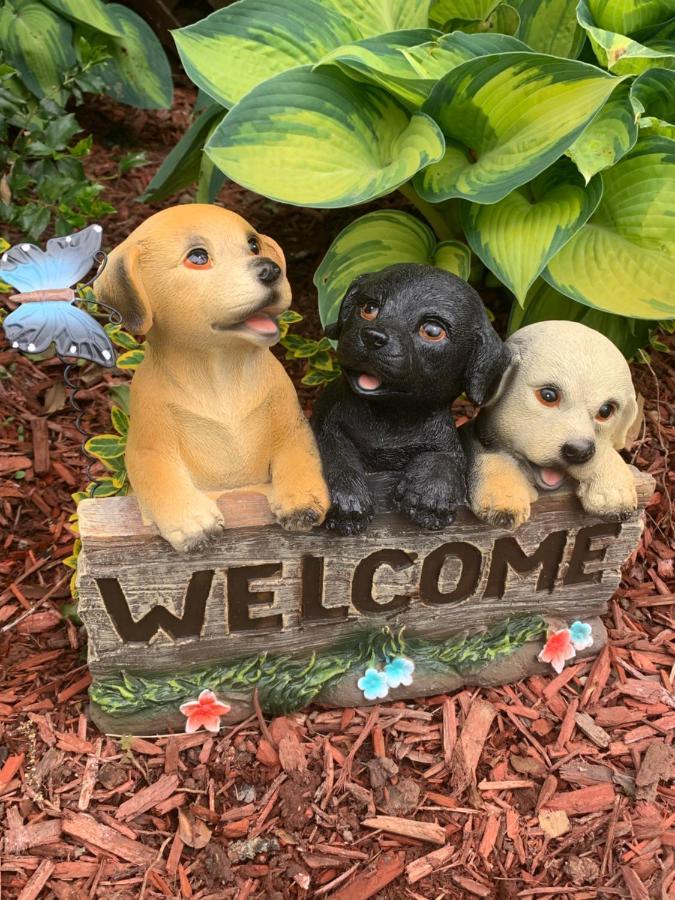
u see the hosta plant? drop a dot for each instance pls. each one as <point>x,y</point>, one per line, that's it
<point>536,135</point>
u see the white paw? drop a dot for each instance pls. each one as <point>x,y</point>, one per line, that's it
<point>609,501</point>
<point>195,530</point>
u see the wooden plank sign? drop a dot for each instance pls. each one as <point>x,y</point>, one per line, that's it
<point>301,617</point>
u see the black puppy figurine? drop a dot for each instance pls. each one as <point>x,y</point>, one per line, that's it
<point>411,339</point>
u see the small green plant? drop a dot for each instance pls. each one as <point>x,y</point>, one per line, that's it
<point>322,366</point>
<point>538,135</point>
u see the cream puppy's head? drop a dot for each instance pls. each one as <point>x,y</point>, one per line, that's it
<point>198,275</point>
<point>567,392</point>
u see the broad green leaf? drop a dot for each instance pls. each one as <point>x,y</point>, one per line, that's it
<point>409,63</point>
<point>138,72</point>
<point>181,167</point>
<point>120,420</point>
<point>550,26</point>
<point>131,359</point>
<point>92,13</point>
<point>373,17</point>
<point>238,47</point>
<point>503,20</point>
<point>377,240</point>
<point>317,138</point>
<point>517,236</point>
<point>619,53</point>
<point>655,92</point>
<point>39,44</point>
<point>544,303</point>
<point>629,16</point>
<point>611,134</point>
<point>106,446</point>
<point>622,260</point>
<point>443,11</point>
<point>506,118</point>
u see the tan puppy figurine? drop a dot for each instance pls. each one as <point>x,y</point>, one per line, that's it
<point>211,408</point>
<point>563,408</point>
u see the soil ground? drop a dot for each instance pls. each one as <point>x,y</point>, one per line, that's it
<point>583,804</point>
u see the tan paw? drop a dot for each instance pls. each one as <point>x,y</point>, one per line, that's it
<point>616,501</point>
<point>201,523</point>
<point>503,509</point>
<point>298,513</point>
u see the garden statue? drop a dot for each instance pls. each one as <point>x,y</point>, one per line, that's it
<point>564,408</point>
<point>411,339</point>
<point>211,408</point>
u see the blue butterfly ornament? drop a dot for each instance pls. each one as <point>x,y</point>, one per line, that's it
<point>47,315</point>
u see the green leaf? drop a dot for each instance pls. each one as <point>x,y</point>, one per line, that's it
<point>373,17</point>
<point>106,446</point>
<point>121,338</point>
<point>619,53</point>
<point>39,44</point>
<point>550,26</point>
<point>105,487</point>
<point>517,236</point>
<point>445,11</point>
<point>91,13</point>
<point>131,359</point>
<point>544,303</point>
<point>119,395</point>
<point>629,16</point>
<point>238,47</point>
<point>504,19</point>
<point>209,182</point>
<point>316,138</point>
<point>181,167</point>
<point>409,63</point>
<point>120,421</point>
<point>375,241</point>
<point>622,260</point>
<point>506,118</point>
<point>655,92</point>
<point>611,134</point>
<point>138,72</point>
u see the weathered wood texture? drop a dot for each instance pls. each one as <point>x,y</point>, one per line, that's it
<point>149,609</point>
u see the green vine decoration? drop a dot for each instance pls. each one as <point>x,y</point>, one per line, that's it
<point>286,683</point>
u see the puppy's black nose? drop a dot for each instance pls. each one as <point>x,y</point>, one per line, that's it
<point>577,451</point>
<point>373,337</point>
<point>268,271</point>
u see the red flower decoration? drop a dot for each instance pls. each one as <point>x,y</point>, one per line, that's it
<point>206,711</point>
<point>558,649</point>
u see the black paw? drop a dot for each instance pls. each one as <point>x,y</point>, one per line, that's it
<point>351,510</point>
<point>431,504</point>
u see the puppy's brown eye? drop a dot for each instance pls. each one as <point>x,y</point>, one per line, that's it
<point>605,412</point>
<point>548,396</point>
<point>197,259</point>
<point>432,331</point>
<point>254,245</point>
<point>369,311</point>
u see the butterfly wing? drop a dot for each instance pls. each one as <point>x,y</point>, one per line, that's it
<point>34,327</point>
<point>65,262</point>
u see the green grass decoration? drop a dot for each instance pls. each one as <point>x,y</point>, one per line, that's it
<point>286,684</point>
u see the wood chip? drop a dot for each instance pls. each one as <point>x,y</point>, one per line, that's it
<point>470,744</point>
<point>426,865</point>
<point>147,798</point>
<point>422,831</point>
<point>586,800</point>
<point>375,877</point>
<point>37,881</point>
<point>87,829</point>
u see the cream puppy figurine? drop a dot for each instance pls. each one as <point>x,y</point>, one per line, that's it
<point>563,408</point>
<point>211,407</point>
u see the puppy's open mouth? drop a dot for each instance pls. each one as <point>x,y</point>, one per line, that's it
<point>263,323</point>
<point>547,478</point>
<point>363,382</point>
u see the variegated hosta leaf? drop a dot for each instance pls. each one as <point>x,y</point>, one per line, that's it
<point>92,13</point>
<point>443,11</point>
<point>655,92</point>
<point>629,16</point>
<point>506,118</point>
<point>517,236</point>
<point>373,17</point>
<point>622,260</point>
<point>39,44</point>
<point>619,53</point>
<point>611,134</point>
<point>235,48</point>
<point>317,138</point>
<point>543,303</point>
<point>503,20</point>
<point>138,71</point>
<point>375,241</point>
<point>409,63</point>
<point>550,26</point>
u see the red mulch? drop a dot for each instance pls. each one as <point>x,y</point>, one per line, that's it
<point>572,793</point>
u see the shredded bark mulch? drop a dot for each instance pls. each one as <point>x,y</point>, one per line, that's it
<point>569,791</point>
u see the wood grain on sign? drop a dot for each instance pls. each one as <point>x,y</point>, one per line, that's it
<point>258,587</point>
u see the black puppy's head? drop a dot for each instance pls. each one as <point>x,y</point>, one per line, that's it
<point>414,333</point>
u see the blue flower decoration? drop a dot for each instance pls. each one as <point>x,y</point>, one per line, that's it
<point>374,685</point>
<point>399,671</point>
<point>581,634</point>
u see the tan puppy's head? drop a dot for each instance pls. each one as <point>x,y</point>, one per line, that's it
<point>567,392</point>
<point>198,275</point>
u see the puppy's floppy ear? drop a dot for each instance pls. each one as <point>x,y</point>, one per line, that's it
<point>333,329</point>
<point>630,416</point>
<point>487,363</point>
<point>271,249</point>
<point>120,285</point>
<point>508,375</point>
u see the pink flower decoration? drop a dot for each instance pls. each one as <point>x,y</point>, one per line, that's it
<point>557,649</point>
<point>205,711</point>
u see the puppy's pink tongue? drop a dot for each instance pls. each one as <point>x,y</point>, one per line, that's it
<point>261,324</point>
<point>551,477</point>
<point>368,382</point>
